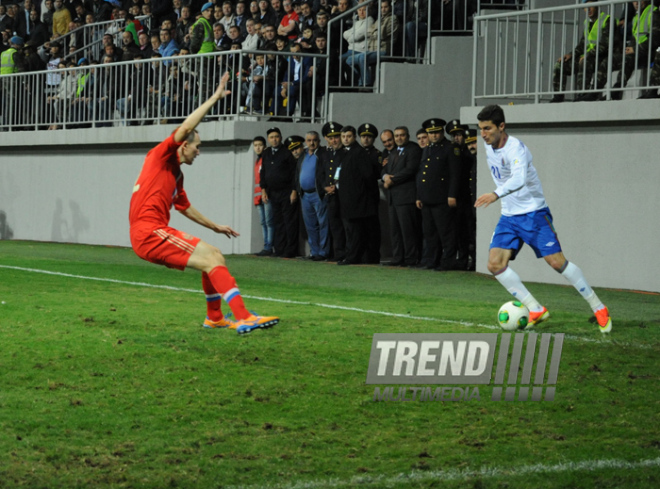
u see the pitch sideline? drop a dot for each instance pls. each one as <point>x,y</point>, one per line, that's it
<point>306,303</point>
<point>466,474</point>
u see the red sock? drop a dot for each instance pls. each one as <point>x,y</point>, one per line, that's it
<point>225,284</point>
<point>213,299</point>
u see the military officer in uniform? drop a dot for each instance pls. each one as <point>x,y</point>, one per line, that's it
<point>326,174</point>
<point>471,144</point>
<point>438,182</point>
<point>465,206</point>
<point>368,134</point>
<point>295,145</point>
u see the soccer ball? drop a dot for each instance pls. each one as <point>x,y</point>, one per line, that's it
<point>512,316</point>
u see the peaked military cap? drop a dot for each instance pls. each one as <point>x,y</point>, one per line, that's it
<point>367,130</point>
<point>434,125</point>
<point>331,129</point>
<point>453,126</point>
<point>292,142</point>
<point>471,136</point>
<point>274,129</point>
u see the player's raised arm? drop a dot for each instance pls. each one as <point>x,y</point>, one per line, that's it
<point>196,117</point>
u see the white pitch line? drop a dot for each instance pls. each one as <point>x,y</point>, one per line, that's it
<point>315,304</point>
<point>457,475</point>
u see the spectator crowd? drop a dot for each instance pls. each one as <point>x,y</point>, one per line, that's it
<point>95,34</point>
<point>426,189</point>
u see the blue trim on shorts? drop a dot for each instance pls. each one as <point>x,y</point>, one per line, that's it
<point>534,229</point>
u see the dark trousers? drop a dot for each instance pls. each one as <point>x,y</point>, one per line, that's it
<point>336,227</point>
<point>404,233</point>
<point>466,233</point>
<point>361,243</point>
<point>285,222</point>
<point>441,219</point>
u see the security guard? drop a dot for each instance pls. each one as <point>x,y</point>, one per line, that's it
<point>326,178</point>
<point>201,40</point>
<point>437,192</point>
<point>11,61</point>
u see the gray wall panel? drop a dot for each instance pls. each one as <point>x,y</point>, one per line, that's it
<point>599,180</point>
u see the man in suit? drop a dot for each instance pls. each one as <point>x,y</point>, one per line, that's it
<point>277,187</point>
<point>399,179</point>
<point>437,191</point>
<point>358,198</point>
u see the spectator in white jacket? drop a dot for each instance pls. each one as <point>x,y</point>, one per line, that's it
<point>356,36</point>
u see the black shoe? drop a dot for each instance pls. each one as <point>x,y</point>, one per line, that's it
<point>392,263</point>
<point>264,253</point>
<point>318,258</point>
<point>288,255</point>
<point>344,262</point>
<point>587,97</point>
<point>647,94</point>
<point>557,99</point>
<point>617,95</point>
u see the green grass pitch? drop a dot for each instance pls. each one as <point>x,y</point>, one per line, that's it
<point>113,384</point>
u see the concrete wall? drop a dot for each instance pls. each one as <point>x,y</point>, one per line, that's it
<point>413,93</point>
<point>600,176</point>
<point>80,192</point>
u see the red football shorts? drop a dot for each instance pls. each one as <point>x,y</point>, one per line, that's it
<point>163,246</point>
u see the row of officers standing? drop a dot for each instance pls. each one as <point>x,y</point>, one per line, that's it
<point>429,189</point>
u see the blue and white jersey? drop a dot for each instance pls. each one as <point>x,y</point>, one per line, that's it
<point>518,184</point>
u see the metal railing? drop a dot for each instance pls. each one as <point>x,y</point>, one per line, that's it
<point>163,90</point>
<point>535,55</point>
<point>407,33</point>
<point>88,39</point>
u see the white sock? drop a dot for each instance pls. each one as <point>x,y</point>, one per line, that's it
<point>511,282</point>
<point>574,275</point>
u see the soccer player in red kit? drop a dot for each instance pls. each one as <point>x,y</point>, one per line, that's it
<point>159,187</point>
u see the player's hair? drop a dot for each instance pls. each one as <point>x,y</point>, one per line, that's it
<point>191,137</point>
<point>385,131</point>
<point>420,131</point>
<point>350,129</point>
<point>314,133</point>
<point>492,113</point>
<point>259,138</point>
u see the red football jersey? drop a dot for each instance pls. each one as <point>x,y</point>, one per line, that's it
<point>159,186</point>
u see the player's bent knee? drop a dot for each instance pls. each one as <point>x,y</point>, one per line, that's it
<point>495,266</point>
<point>556,261</point>
<point>206,257</point>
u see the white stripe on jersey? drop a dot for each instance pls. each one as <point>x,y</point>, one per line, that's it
<point>518,184</point>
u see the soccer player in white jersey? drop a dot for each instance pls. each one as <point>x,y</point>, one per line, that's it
<point>525,218</point>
